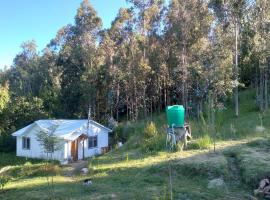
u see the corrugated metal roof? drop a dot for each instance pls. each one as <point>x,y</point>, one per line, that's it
<point>21,131</point>
<point>67,129</point>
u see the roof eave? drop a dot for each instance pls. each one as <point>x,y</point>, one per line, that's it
<point>101,126</point>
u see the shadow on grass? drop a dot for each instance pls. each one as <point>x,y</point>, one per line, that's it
<point>7,159</point>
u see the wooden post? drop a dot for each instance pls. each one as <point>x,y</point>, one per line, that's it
<point>236,100</point>
<point>77,145</point>
<point>83,148</point>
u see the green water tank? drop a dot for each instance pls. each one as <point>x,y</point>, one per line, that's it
<point>175,115</point>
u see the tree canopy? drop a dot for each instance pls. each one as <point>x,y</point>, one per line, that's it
<point>154,54</point>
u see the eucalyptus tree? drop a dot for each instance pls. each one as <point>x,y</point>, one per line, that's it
<point>4,96</point>
<point>261,53</point>
<point>114,42</point>
<point>50,79</point>
<point>232,14</point>
<point>21,76</point>
<point>187,24</point>
<point>155,81</point>
<point>148,29</point>
<point>77,56</point>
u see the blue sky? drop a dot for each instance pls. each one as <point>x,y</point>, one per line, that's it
<point>22,20</point>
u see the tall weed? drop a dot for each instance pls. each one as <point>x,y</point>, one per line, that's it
<point>153,140</point>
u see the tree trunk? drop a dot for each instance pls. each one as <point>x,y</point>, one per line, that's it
<point>144,101</point>
<point>165,94</point>
<point>261,90</point>
<point>184,78</point>
<point>236,98</point>
<point>117,101</point>
<point>266,88</point>
<point>257,85</point>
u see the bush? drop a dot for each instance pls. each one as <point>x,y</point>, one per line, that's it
<point>193,145</point>
<point>123,132</point>
<point>204,142</point>
<point>154,144</point>
<point>153,141</point>
<point>7,143</point>
<point>150,130</point>
<point>3,181</point>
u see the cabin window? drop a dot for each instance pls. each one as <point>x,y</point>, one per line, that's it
<point>26,143</point>
<point>92,141</point>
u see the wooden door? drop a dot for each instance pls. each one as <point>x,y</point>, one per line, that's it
<point>74,150</point>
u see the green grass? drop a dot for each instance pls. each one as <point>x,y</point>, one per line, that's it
<point>7,159</point>
<point>145,176</point>
<point>140,169</point>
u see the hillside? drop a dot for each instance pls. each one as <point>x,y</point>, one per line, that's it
<point>140,169</point>
<point>120,64</point>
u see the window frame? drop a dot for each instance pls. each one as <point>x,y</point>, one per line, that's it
<point>26,143</point>
<point>94,141</point>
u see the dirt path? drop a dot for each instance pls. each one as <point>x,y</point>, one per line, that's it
<point>74,168</point>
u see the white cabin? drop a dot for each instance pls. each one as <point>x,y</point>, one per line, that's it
<point>77,141</point>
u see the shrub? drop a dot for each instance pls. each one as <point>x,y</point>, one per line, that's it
<point>193,145</point>
<point>134,142</point>
<point>153,141</point>
<point>205,142</point>
<point>154,144</point>
<point>123,132</point>
<point>204,127</point>
<point>150,130</point>
<point>3,181</point>
<point>7,143</point>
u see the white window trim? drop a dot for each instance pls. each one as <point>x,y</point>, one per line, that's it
<point>23,141</point>
<point>89,141</point>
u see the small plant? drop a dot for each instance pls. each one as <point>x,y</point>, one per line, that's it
<point>154,144</point>
<point>194,145</point>
<point>50,144</point>
<point>232,129</point>
<point>150,130</point>
<point>261,118</point>
<point>152,140</point>
<point>127,157</point>
<point>179,146</point>
<point>3,181</point>
<point>91,168</point>
<point>204,126</point>
<point>205,142</point>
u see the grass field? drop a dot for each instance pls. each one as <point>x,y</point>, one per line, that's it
<point>133,172</point>
<point>132,175</point>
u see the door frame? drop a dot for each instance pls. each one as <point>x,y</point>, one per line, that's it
<point>74,150</point>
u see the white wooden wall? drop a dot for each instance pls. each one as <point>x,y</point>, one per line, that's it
<point>36,150</point>
<point>102,142</point>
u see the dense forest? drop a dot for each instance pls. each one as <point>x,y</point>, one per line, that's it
<point>155,53</point>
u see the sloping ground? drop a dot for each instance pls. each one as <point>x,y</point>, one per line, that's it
<point>241,160</point>
<point>254,161</point>
<point>132,175</point>
<point>74,168</point>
